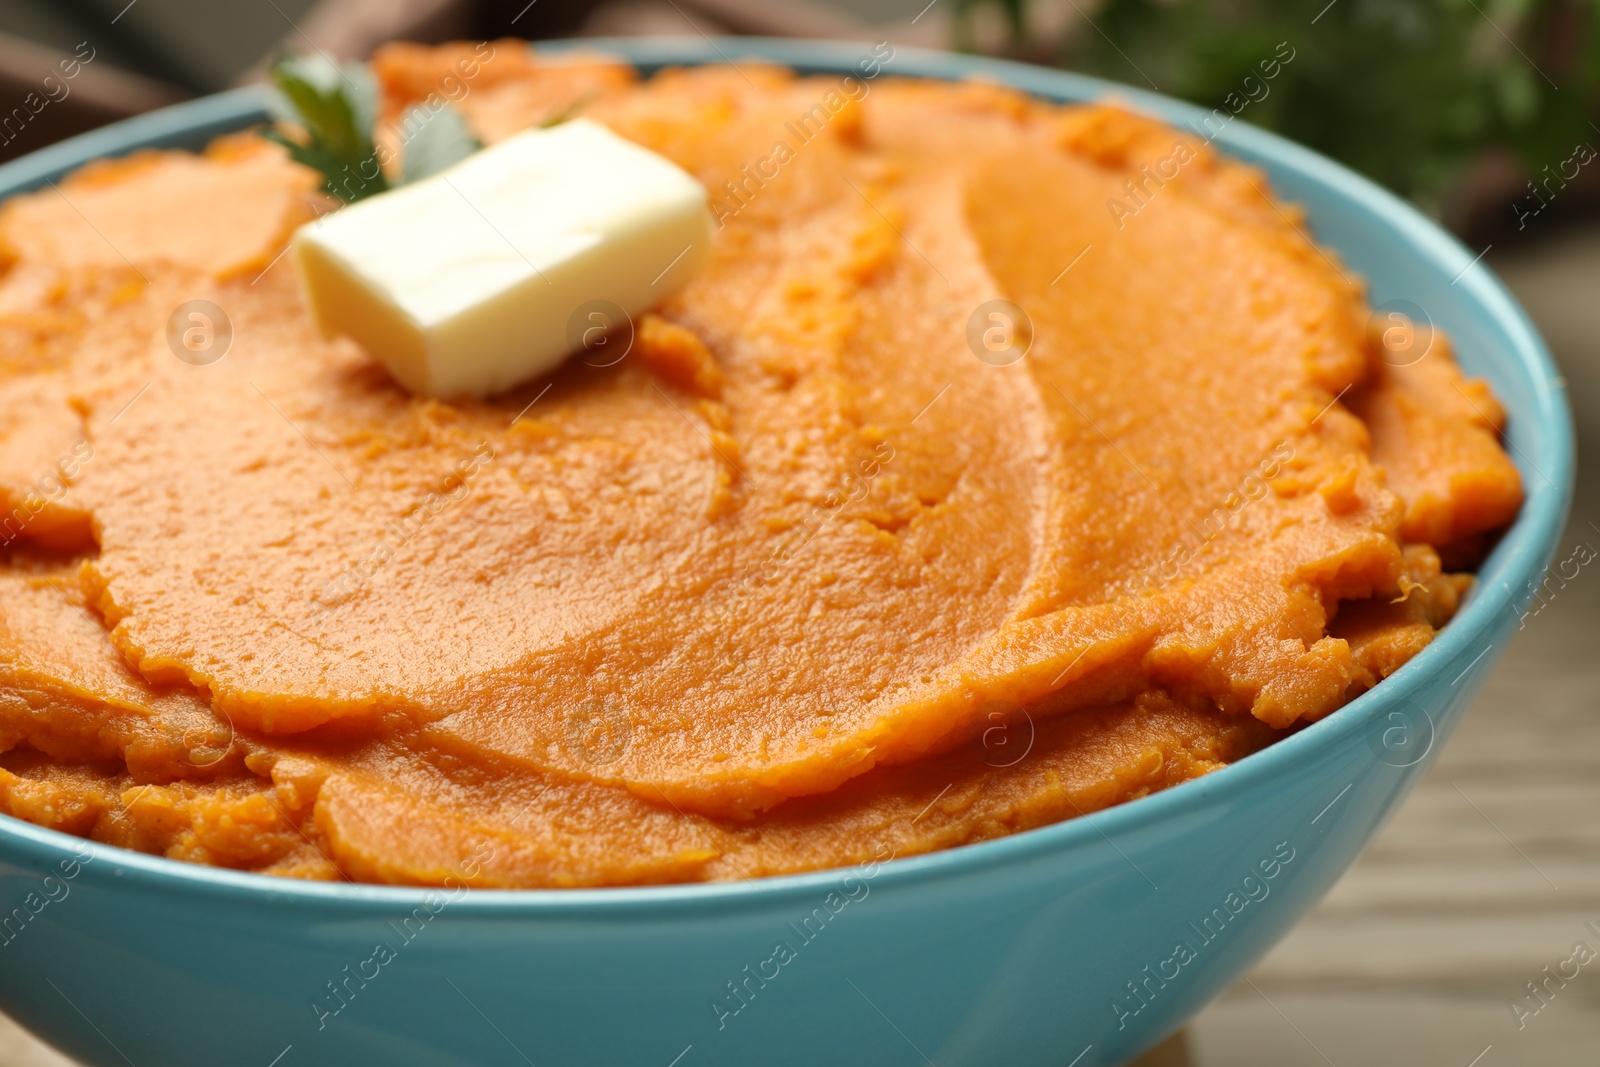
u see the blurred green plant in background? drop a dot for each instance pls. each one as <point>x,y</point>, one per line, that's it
<point>1410,92</point>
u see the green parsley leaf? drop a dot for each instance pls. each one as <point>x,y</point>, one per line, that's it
<point>336,107</point>
<point>435,140</point>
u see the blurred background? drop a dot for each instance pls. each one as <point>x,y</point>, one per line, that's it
<point>1455,104</point>
<point>1482,113</point>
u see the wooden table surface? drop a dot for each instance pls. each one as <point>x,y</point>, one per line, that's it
<point>1491,868</point>
<point>1489,871</point>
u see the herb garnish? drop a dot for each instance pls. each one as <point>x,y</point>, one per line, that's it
<point>337,108</point>
<point>434,140</point>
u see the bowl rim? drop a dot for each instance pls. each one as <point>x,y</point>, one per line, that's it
<point>1524,550</point>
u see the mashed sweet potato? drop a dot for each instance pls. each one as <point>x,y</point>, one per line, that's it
<point>800,578</point>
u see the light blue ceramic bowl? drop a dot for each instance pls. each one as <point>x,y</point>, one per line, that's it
<point>1077,944</point>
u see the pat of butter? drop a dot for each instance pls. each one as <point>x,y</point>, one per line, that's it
<point>465,283</point>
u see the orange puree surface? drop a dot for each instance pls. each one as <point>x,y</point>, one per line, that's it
<point>799,578</point>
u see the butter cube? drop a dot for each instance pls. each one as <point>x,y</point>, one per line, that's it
<point>464,284</point>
